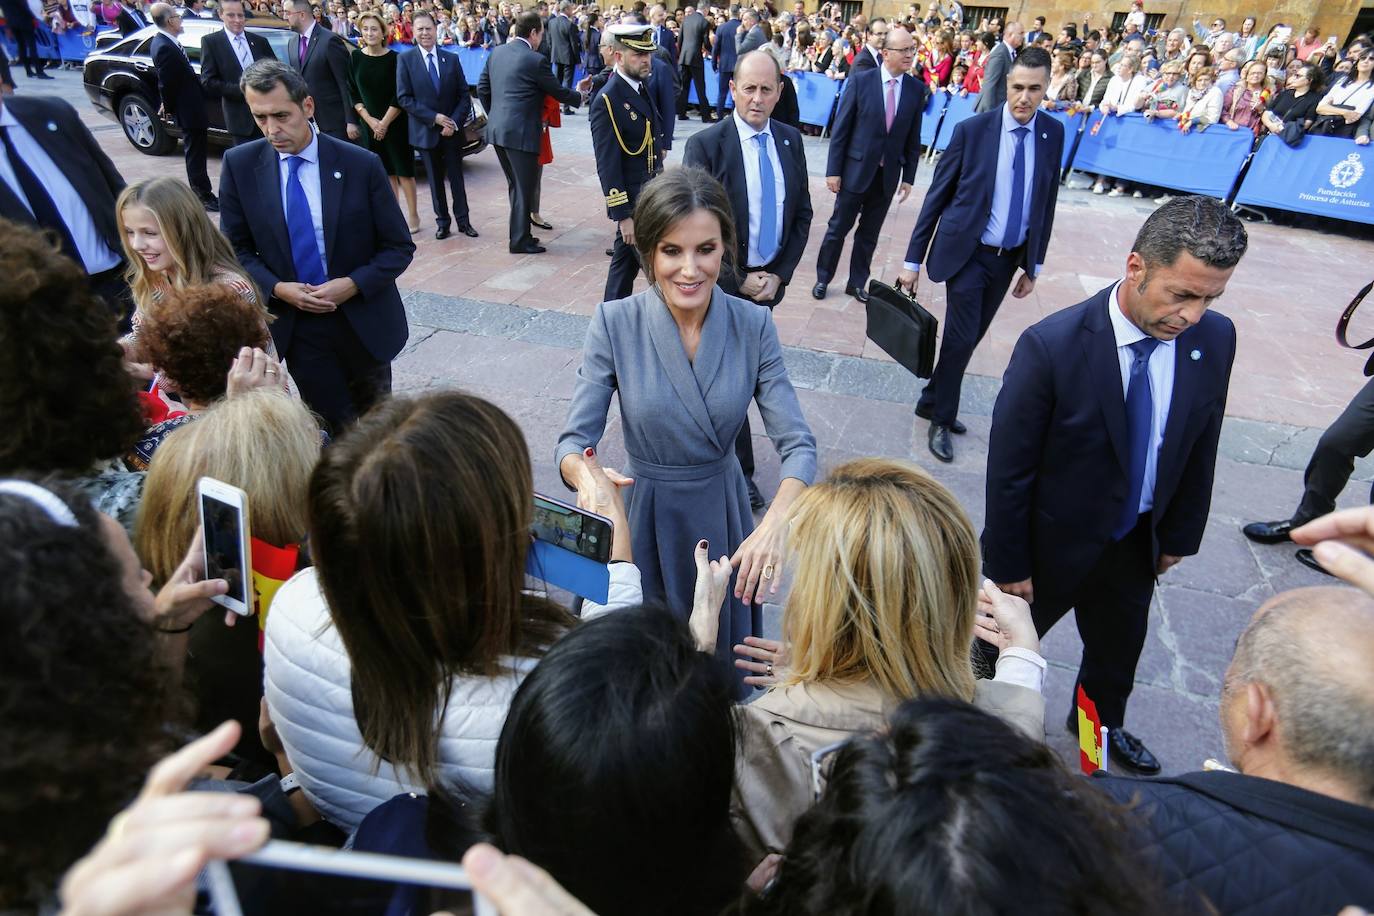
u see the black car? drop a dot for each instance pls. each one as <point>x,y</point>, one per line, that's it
<point>122,84</point>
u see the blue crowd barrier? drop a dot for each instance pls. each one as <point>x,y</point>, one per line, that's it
<point>816,94</point>
<point>1133,149</point>
<point>1073,128</point>
<point>960,108</point>
<point>1324,176</point>
<point>472,60</point>
<point>72,46</point>
<point>930,118</point>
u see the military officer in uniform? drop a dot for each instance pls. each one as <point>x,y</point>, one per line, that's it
<point>627,135</point>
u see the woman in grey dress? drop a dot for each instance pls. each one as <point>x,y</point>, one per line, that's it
<point>686,359</point>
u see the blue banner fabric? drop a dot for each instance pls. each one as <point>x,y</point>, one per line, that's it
<point>1073,124</point>
<point>960,108</point>
<point>816,94</point>
<point>930,118</point>
<point>1202,162</point>
<point>569,571</point>
<point>1325,176</point>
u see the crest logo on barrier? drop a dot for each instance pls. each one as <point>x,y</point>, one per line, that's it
<point>1347,172</point>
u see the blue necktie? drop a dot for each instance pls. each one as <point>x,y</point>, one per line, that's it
<point>768,215</point>
<point>1011,236</point>
<point>305,251</point>
<point>433,70</point>
<point>1140,409</point>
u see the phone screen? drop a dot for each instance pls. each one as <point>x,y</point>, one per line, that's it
<point>224,545</point>
<point>269,891</point>
<point>572,529</point>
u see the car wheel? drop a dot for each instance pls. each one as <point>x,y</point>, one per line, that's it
<point>143,127</point>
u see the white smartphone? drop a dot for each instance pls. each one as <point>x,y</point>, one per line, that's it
<point>340,881</point>
<point>224,519</point>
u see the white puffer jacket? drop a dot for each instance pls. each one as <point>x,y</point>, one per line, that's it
<point>309,694</point>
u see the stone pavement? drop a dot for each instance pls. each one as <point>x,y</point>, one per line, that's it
<point>511,327</point>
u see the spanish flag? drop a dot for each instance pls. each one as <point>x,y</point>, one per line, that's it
<point>1091,754</point>
<point>272,566</point>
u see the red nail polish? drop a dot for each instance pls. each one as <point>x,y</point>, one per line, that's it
<point>589,452</point>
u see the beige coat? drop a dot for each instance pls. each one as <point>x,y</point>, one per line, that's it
<point>786,725</point>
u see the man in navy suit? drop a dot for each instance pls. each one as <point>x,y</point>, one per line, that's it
<point>874,147</point>
<point>724,50</point>
<point>182,98</point>
<point>431,88</point>
<point>1104,443</point>
<point>314,221</point>
<point>993,195</point>
<point>870,55</point>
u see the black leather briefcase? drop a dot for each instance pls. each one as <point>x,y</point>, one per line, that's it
<point>905,330</point>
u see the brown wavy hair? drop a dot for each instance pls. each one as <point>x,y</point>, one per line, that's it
<point>192,336</point>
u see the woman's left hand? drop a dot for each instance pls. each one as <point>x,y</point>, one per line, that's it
<point>254,368</point>
<point>762,658</point>
<point>759,558</point>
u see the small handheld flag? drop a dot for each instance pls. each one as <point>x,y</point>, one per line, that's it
<point>1092,736</point>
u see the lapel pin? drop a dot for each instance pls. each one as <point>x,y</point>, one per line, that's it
<point>340,175</point>
<point>52,126</point>
<point>1195,355</point>
<point>786,142</point>
<point>1044,136</point>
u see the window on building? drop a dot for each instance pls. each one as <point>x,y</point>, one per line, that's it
<point>1153,21</point>
<point>974,15</point>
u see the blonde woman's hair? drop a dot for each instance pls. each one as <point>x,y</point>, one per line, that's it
<point>263,442</point>
<point>198,249</point>
<point>885,586</point>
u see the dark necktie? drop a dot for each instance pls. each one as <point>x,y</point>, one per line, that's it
<point>1011,235</point>
<point>1140,410</point>
<point>45,212</point>
<point>433,69</point>
<point>305,251</point>
<point>305,46</point>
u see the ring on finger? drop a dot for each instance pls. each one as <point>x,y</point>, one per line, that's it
<point>770,669</point>
<point>768,571</point>
<point>270,371</point>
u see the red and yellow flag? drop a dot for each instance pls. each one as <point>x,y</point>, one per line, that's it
<point>272,566</point>
<point>1090,750</point>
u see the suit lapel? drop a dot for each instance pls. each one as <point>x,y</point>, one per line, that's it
<point>1186,372</point>
<point>673,358</point>
<point>331,192</point>
<point>711,350</point>
<point>1099,348</point>
<point>269,192</point>
<point>733,163</point>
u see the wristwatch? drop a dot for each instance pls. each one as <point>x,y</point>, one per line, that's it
<point>290,783</point>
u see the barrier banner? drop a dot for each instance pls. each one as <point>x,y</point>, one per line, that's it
<point>930,118</point>
<point>71,46</point>
<point>1073,126</point>
<point>1202,162</point>
<point>816,94</point>
<point>1324,176</point>
<point>960,108</point>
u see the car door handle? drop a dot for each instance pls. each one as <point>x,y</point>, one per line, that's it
<point>139,65</point>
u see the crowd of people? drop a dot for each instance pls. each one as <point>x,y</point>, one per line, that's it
<point>399,684</point>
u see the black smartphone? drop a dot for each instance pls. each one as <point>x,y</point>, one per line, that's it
<point>562,525</point>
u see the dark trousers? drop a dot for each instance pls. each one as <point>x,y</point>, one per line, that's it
<point>445,160</point>
<point>522,172</point>
<point>1333,461</point>
<point>6,78</point>
<point>723,90</point>
<point>972,297</point>
<point>693,74</point>
<point>338,377</point>
<point>869,207</point>
<point>26,40</point>
<point>620,276</point>
<point>195,144</point>
<point>565,75</point>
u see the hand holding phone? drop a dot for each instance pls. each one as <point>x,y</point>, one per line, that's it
<point>224,519</point>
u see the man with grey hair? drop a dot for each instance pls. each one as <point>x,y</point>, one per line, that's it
<point>182,98</point>
<point>565,46</point>
<point>1292,831</point>
<point>749,36</point>
<point>1104,443</point>
<point>322,57</point>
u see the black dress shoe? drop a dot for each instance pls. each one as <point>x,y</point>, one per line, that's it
<point>1268,532</point>
<point>466,229</point>
<point>42,76</point>
<point>1307,558</point>
<point>442,232</point>
<point>940,446</point>
<point>756,501</point>
<point>1130,752</point>
<point>540,223</point>
<point>925,414</point>
<point>857,293</point>
<point>610,252</point>
<point>1071,723</point>
<point>567,110</point>
<point>818,291</point>
<point>529,249</point>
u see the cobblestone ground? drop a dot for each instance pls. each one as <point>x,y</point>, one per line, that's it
<point>511,327</point>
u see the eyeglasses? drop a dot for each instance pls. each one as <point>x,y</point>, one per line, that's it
<point>902,51</point>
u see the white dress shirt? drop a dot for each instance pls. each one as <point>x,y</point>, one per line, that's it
<point>309,175</point>
<point>897,93</point>
<point>995,232</point>
<point>749,149</point>
<point>96,256</point>
<point>239,43</point>
<point>1160,371</point>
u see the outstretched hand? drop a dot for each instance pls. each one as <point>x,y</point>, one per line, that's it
<point>713,584</point>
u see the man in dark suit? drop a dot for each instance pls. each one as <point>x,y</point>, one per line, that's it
<point>514,118</point>
<point>993,195</point>
<point>565,49</point>
<point>182,98</point>
<point>224,55</point>
<point>998,66</point>
<point>431,88</point>
<point>1103,446</point>
<point>321,56</point>
<point>627,138</point>
<point>724,53</point>
<point>314,221</point>
<point>749,35</point>
<point>870,56</point>
<point>53,174</point>
<point>761,163</point>
<point>130,18</point>
<point>693,64</point>
<point>874,147</point>
<point>22,26</point>
<point>663,36</point>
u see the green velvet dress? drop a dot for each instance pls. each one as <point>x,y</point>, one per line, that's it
<point>373,80</point>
